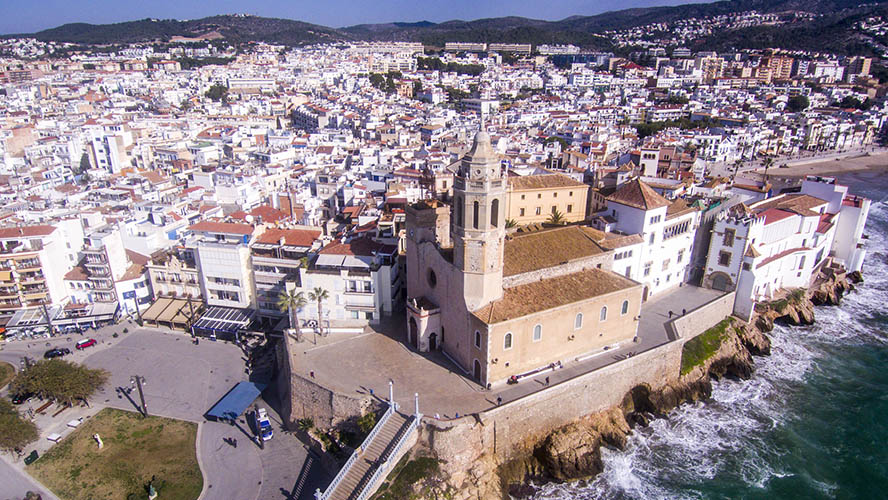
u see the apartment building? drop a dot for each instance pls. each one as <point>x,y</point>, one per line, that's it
<point>114,274</point>
<point>534,198</point>
<point>362,277</point>
<point>222,254</point>
<point>277,256</point>
<point>173,273</point>
<point>33,263</point>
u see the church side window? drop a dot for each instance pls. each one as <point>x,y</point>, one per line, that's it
<point>625,308</point>
<point>477,339</point>
<point>494,213</point>
<point>458,206</point>
<point>475,215</point>
<point>578,321</point>
<point>537,333</point>
<point>507,341</point>
<point>603,316</point>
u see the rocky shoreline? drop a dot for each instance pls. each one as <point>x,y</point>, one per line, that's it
<point>573,452</point>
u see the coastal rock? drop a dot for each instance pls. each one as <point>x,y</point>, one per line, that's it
<point>574,452</point>
<point>856,277</point>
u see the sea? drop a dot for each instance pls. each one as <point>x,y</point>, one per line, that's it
<point>811,423</point>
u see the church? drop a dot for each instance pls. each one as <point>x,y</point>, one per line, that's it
<point>503,306</point>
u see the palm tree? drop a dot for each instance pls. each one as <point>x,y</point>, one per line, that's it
<point>320,295</point>
<point>767,164</point>
<point>556,218</point>
<point>737,165</point>
<point>291,301</point>
<point>510,223</point>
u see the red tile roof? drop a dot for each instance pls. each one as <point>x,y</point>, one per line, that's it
<point>637,194</point>
<point>291,237</point>
<point>358,246</point>
<point>222,227</point>
<point>773,215</point>
<point>25,231</point>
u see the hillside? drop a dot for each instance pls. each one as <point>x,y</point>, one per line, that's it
<point>832,31</point>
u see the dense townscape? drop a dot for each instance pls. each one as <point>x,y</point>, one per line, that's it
<point>505,211</point>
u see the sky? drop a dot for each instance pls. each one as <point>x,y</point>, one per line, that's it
<point>22,16</point>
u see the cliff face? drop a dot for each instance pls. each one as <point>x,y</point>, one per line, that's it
<point>572,451</point>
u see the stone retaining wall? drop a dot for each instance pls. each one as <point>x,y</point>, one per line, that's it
<point>696,321</point>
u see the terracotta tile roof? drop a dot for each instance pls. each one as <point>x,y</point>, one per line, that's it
<point>801,204</point>
<point>291,237</point>
<point>221,227</point>
<point>637,194</point>
<point>25,231</point>
<point>545,181</point>
<point>525,300</point>
<point>528,252</point>
<point>678,208</point>
<point>78,273</point>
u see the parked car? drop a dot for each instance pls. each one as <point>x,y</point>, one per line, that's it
<point>83,344</point>
<point>56,352</point>
<point>18,399</point>
<point>263,425</point>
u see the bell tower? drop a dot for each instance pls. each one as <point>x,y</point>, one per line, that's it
<point>479,197</point>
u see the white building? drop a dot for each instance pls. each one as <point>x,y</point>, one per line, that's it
<point>222,254</point>
<point>660,261</point>
<point>782,242</point>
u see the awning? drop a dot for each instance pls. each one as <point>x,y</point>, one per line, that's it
<point>236,401</point>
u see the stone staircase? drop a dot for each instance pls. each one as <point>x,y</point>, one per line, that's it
<point>374,453</point>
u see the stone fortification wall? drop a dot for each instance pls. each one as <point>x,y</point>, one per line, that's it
<point>515,428</point>
<point>698,320</point>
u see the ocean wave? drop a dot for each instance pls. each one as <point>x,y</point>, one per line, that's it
<point>733,439</point>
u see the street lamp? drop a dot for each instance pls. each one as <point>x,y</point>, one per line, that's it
<point>139,381</point>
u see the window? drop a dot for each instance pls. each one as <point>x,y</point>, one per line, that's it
<point>521,212</point>
<point>458,215</point>
<point>655,219</point>
<point>570,193</point>
<point>432,278</point>
<point>724,258</point>
<point>652,238</point>
<point>539,195</point>
<point>570,208</point>
<point>603,315</point>
<point>578,321</point>
<point>728,238</point>
<point>666,264</point>
<point>555,194</point>
<point>746,266</point>
<point>624,308</point>
<point>681,254</point>
<point>539,210</point>
<point>802,262</point>
<point>475,215</point>
<point>554,209</point>
<point>507,341</point>
<point>477,339</point>
<point>647,268</point>
<point>494,212</point>
<point>537,333</point>
<point>522,196</point>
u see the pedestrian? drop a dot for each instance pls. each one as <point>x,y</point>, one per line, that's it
<point>683,311</point>
<point>312,373</point>
<point>547,380</point>
<point>234,440</point>
<point>670,313</point>
<point>499,400</point>
<point>371,392</point>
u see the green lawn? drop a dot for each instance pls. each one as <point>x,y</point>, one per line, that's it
<point>6,373</point>
<point>135,450</point>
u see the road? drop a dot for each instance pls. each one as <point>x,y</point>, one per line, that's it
<point>726,169</point>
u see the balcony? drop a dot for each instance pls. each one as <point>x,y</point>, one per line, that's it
<point>31,278</point>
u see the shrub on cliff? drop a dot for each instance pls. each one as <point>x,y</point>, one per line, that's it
<point>700,348</point>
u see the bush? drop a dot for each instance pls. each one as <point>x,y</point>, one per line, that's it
<point>126,330</point>
<point>115,334</point>
<point>305,424</point>
<point>367,422</point>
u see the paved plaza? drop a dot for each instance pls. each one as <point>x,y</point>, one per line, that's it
<point>183,381</point>
<point>357,365</point>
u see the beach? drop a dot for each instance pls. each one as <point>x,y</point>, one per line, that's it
<point>856,162</point>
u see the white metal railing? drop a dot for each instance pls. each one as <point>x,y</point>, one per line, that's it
<point>384,467</point>
<point>354,456</point>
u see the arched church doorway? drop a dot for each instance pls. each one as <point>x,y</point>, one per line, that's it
<point>477,371</point>
<point>721,282</point>
<point>433,341</point>
<point>644,294</point>
<point>412,332</point>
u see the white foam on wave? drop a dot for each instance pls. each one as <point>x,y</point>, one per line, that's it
<point>728,436</point>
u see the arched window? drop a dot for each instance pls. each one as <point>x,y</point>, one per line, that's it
<point>578,321</point>
<point>458,212</point>
<point>475,215</point>
<point>625,308</point>
<point>603,315</point>
<point>477,339</point>
<point>537,333</point>
<point>507,341</point>
<point>494,213</point>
